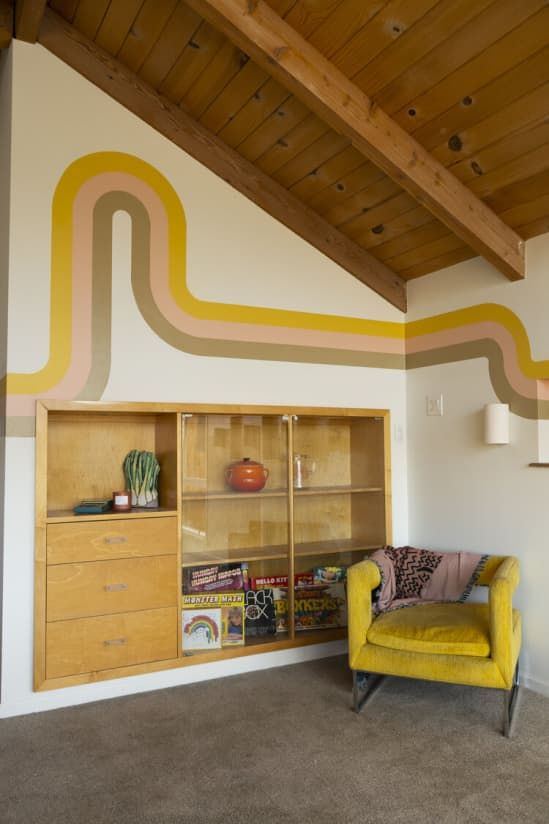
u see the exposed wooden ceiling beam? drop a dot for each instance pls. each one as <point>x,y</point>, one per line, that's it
<point>28,17</point>
<point>281,51</point>
<point>6,23</point>
<point>116,80</point>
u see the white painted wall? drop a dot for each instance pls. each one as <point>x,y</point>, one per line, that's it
<point>464,494</point>
<point>5,147</point>
<point>236,254</point>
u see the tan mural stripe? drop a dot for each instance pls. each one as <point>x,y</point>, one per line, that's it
<point>486,330</point>
<point>141,285</point>
<point>98,376</point>
<point>20,426</point>
<point>479,314</point>
<point>96,186</point>
<point>489,349</point>
<point>69,362</point>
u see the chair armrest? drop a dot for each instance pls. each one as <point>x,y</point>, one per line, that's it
<point>362,578</point>
<point>500,607</point>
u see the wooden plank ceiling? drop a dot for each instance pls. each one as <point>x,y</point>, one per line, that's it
<point>467,80</point>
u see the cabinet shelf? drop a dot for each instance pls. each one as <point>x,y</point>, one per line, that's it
<point>108,586</point>
<point>336,490</point>
<point>225,495</point>
<point>278,493</point>
<point>63,515</point>
<point>269,553</point>
<point>268,643</point>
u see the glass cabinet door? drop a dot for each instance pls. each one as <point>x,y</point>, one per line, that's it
<point>340,509</point>
<point>235,531</point>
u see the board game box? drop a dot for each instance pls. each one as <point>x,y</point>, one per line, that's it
<point>317,606</point>
<point>329,574</point>
<point>300,578</point>
<point>218,578</point>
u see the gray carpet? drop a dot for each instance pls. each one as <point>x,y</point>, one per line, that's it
<point>280,746</point>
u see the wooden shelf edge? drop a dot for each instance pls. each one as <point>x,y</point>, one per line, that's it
<point>278,553</point>
<point>232,496</point>
<point>538,464</point>
<point>70,517</point>
<point>279,493</point>
<point>347,412</point>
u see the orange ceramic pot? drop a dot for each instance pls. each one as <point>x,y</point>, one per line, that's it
<point>246,475</point>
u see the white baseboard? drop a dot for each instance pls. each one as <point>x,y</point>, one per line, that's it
<point>117,688</point>
<point>163,679</point>
<point>534,684</point>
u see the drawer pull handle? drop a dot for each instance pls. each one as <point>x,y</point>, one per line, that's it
<point>115,539</point>
<point>115,642</point>
<point>115,587</point>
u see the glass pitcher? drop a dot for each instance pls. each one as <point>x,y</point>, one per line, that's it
<point>303,470</point>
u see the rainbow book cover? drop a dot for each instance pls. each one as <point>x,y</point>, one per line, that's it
<point>201,629</point>
<point>225,608</point>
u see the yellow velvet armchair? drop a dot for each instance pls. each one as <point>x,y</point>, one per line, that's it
<point>458,643</point>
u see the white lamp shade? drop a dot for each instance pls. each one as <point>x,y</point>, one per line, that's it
<point>496,423</point>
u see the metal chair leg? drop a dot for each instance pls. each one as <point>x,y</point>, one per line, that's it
<point>364,686</point>
<point>509,704</point>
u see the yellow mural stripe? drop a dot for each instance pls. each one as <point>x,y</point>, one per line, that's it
<point>60,299</point>
<point>60,339</point>
<point>238,313</point>
<point>61,275</point>
<point>482,313</point>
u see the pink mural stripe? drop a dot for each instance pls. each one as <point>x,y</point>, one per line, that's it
<point>82,351</point>
<point>543,390</point>
<point>219,330</point>
<point>76,375</point>
<point>474,332</point>
<point>81,338</point>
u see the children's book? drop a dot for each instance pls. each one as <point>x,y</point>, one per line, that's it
<point>260,612</point>
<point>227,609</point>
<point>201,629</point>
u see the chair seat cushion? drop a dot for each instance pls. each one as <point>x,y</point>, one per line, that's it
<point>444,629</point>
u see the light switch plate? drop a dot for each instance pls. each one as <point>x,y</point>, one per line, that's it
<point>434,405</point>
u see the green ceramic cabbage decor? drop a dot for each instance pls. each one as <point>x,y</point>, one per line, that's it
<point>141,470</point>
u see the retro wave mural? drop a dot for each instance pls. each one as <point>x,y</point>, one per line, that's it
<point>96,186</point>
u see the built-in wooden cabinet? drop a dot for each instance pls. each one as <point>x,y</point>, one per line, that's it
<point>110,588</point>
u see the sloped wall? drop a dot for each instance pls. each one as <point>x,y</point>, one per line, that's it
<point>239,310</point>
<point>272,321</point>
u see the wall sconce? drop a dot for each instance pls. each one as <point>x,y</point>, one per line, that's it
<point>496,423</point>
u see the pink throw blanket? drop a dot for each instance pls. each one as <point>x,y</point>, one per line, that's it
<point>417,576</point>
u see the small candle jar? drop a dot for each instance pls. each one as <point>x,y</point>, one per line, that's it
<point>122,501</point>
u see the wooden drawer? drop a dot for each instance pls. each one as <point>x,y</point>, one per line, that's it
<point>104,587</point>
<point>103,540</point>
<point>109,641</point>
